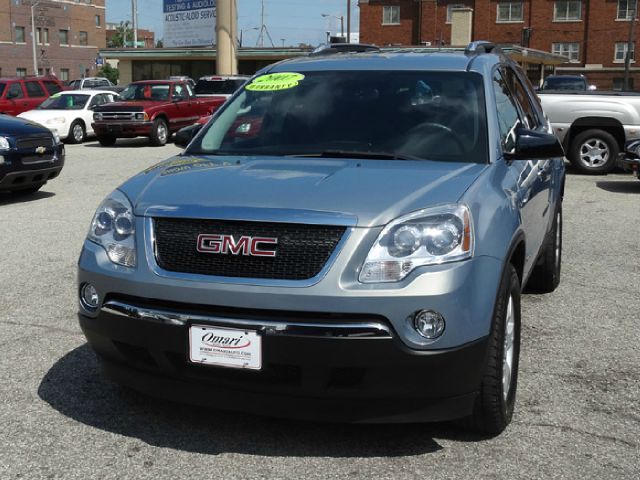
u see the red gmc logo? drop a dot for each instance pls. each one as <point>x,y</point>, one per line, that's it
<point>226,244</point>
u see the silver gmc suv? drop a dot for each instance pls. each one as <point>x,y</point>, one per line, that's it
<point>346,240</point>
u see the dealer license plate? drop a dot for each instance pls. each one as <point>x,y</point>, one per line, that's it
<point>225,347</point>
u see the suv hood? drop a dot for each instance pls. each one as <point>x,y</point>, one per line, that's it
<point>12,126</point>
<point>372,192</point>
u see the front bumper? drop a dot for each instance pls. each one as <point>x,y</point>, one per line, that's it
<point>122,129</point>
<point>344,369</point>
<point>629,164</point>
<point>16,173</point>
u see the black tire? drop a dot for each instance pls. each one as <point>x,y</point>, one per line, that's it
<point>601,163</point>
<point>493,409</point>
<point>545,276</point>
<point>107,140</point>
<point>77,132</point>
<point>28,191</point>
<point>159,133</point>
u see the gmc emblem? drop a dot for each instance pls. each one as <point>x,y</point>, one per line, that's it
<point>226,244</point>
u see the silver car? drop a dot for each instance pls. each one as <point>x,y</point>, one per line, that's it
<point>347,239</point>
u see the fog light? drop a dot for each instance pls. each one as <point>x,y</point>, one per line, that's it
<point>428,323</point>
<point>89,296</point>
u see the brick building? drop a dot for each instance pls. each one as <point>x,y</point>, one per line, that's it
<point>68,35</point>
<point>592,34</point>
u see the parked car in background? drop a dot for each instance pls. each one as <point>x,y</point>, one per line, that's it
<point>154,109</point>
<point>566,82</point>
<point>30,155</point>
<point>183,78</point>
<point>329,266</point>
<point>88,83</point>
<point>629,159</point>
<point>20,94</point>
<point>593,126</point>
<point>219,86</point>
<point>70,114</point>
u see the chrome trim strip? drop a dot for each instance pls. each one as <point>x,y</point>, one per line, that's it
<point>324,330</point>
<point>250,214</point>
<point>150,253</point>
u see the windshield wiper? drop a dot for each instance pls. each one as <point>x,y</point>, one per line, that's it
<point>357,154</point>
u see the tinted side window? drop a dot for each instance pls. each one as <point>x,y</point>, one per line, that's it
<point>508,118</point>
<point>52,87</point>
<point>522,99</point>
<point>15,91</point>
<point>34,89</point>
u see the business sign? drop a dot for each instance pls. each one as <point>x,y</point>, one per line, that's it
<point>189,23</point>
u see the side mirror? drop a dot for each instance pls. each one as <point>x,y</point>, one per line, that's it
<point>185,135</point>
<point>532,145</point>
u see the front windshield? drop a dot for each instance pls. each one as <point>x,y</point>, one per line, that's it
<point>394,114</point>
<point>146,91</point>
<point>64,102</point>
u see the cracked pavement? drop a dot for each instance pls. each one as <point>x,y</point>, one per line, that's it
<point>577,413</point>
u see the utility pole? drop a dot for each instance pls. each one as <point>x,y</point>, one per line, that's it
<point>630,45</point>
<point>33,37</point>
<point>263,30</point>
<point>134,21</point>
<point>348,21</point>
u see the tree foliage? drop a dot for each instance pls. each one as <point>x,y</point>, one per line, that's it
<point>110,73</point>
<point>123,34</point>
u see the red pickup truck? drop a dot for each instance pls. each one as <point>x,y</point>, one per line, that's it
<point>154,109</point>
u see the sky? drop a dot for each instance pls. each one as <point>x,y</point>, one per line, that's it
<point>295,21</point>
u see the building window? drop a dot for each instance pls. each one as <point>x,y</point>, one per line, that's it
<point>45,36</point>
<point>567,10</point>
<point>64,37</point>
<point>509,12</point>
<point>391,15</point>
<point>451,7</point>
<point>621,52</point>
<point>571,50</point>
<point>98,21</point>
<point>625,9</point>
<point>19,34</point>
<point>64,74</point>
<point>618,84</point>
<point>21,72</point>
<point>84,38</point>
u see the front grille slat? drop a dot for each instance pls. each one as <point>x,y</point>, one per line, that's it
<point>301,253</point>
<point>34,142</point>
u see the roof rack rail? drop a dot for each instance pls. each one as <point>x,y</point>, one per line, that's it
<point>333,48</point>
<point>481,46</point>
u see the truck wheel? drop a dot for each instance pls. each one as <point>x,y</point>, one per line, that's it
<point>494,405</point>
<point>76,132</point>
<point>545,276</point>
<point>107,140</point>
<point>594,152</point>
<point>159,133</point>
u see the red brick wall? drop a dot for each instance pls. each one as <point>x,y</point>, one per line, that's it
<point>56,15</point>
<point>373,31</point>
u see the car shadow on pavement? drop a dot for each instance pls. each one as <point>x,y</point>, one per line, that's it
<point>124,143</point>
<point>632,186</point>
<point>7,198</point>
<point>74,387</point>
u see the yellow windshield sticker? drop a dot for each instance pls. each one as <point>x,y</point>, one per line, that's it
<point>275,81</point>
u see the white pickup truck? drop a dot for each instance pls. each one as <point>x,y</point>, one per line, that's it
<point>593,126</point>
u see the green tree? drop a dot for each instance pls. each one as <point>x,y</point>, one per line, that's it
<point>110,73</point>
<point>123,34</point>
<point>160,44</point>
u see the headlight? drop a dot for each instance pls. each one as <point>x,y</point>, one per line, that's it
<point>55,120</point>
<point>56,136</point>
<point>97,116</point>
<point>426,237</point>
<point>142,116</point>
<point>113,227</point>
<point>4,143</point>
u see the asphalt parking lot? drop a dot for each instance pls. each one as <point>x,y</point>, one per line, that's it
<point>578,408</point>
